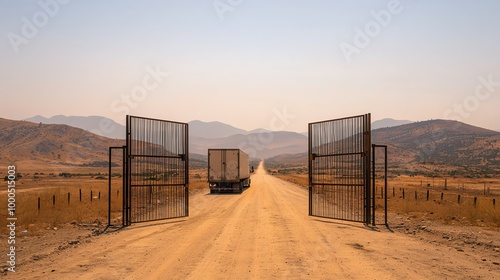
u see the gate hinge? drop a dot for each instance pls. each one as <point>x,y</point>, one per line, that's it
<point>313,156</point>
<point>183,157</point>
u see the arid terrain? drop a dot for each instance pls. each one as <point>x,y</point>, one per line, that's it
<point>264,233</point>
<point>444,216</point>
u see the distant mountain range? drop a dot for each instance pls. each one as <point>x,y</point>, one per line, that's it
<point>259,143</point>
<point>108,128</point>
<point>427,145</point>
<point>213,130</point>
<point>210,130</point>
<point>96,124</point>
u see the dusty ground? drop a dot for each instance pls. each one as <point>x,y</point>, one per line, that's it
<point>264,233</point>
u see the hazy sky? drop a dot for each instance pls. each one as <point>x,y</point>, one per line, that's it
<point>259,63</point>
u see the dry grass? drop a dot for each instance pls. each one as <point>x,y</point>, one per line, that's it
<point>41,207</point>
<point>451,184</point>
<point>198,179</point>
<point>299,179</point>
<point>50,214</point>
<point>483,213</point>
<point>93,206</point>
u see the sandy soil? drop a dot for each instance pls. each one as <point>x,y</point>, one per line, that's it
<point>264,233</point>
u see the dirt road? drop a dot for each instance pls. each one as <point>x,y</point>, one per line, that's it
<point>264,233</point>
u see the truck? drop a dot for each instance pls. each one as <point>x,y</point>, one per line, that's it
<point>228,170</point>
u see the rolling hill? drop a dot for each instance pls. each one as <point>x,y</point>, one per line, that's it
<point>431,147</point>
<point>428,146</point>
<point>96,124</point>
<point>108,128</point>
<point>48,145</point>
<point>442,143</point>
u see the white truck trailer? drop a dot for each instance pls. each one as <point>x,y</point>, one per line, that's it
<point>228,170</point>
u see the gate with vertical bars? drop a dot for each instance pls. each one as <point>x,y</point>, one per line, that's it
<point>339,169</point>
<point>156,170</point>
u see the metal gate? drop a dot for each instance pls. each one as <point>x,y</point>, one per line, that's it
<point>156,185</point>
<point>339,169</point>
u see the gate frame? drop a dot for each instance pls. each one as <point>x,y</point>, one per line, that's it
<point>126,178</point>
<point>123,148</point>
<point>366,165</point>
<point>128,187</point>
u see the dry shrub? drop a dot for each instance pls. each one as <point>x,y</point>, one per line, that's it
<point>37,208</point>
<point>484,212</point>
<point>88,210</point>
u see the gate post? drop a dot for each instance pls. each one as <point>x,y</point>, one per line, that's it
<point>309,161</point>
<point>374,175</point>
<point>109,186</point>
<point>367,169</point>
<point>110,157</point>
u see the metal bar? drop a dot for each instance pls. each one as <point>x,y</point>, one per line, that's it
<point>374,192</point>
<point>373,173</point>
<point>153,119</point>
<point>339,184</point>
<point>385,187</point>
<point>310,159</point>
<point>153,156</point>
<point>126,194</point>
<point>367,169</point>
<point>160,185</point>
<point>186,167</point>
<point>339,119</point>
<point>109,186</point>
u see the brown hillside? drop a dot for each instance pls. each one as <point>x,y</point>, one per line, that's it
<point>51,144</point>
<point>442,142</point>
<point>430,147</point>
